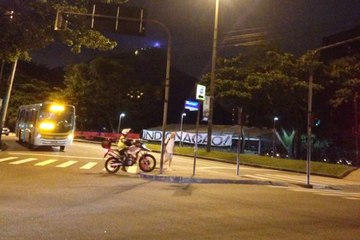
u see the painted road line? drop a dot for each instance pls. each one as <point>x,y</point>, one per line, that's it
<point>352,198</point>
<point>66,164</point>
<point>89,165</point>
<point>44,163</point>
<point>23,161</point>
<point>8,159</point>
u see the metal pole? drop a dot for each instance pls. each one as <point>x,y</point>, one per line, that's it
<point>196,139</point>
<point>309,110</point>
<point>273,137</point>
<point>7,97</point>
<point>212,80</point>
<point>239,141</point>
<point>2,70</point>
<point>120,116</point>
<point>356,130</point>
<point>309,113</point>
<point>181,127</point>
<point>166,94</point>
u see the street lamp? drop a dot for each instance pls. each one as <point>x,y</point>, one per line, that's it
<point>121,116</point>
<point>181,127</point>
<point>212,76</point>
<point>275,119</point>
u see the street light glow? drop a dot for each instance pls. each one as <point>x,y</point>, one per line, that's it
<point>274,130</point>
<point>181,127</point>
<point>120,116</point>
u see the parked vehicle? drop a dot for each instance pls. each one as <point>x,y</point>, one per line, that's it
<point>136,153</point>
<point>5,131</point>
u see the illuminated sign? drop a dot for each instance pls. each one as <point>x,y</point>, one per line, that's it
<point>191,105</point>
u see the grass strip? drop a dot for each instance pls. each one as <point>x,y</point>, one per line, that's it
<point>295,165</point>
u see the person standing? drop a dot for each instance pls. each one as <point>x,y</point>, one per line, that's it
<point>169,149</point>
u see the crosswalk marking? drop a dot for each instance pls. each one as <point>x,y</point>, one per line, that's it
<point>23,161</point>
<point>89,165</point>
<point>66,164</point>
<point>324,192</point>
<point>8,159</point>
<point>44,163</point>
<point>292,179</point>
<point>352,198</point>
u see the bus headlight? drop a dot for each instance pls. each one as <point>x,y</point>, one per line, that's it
<point>47,126</point>
<point>70,136</point>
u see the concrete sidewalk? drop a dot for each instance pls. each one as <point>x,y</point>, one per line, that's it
<point>183,173</point>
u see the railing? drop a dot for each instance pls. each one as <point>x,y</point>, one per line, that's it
<point>102,135</point>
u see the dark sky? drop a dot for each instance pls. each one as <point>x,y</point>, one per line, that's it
<point>294,25</point>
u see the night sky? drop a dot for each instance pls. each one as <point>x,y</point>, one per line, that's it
<point>294,25</point>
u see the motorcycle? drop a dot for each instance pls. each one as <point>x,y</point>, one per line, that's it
<point>135,153</point>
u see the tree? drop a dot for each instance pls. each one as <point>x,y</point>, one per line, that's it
<point>266,83</point>
<point>343,77</point>
<point>28,25</point>
<point>105,87</point>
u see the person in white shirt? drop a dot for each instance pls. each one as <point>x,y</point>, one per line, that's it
<point>169,149</point>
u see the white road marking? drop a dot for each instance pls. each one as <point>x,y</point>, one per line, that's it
<point>66,164</point>
<point>44,163</point>
<point>23,161</point>
<point>52,155</point>
<point>325,192</point>
<point>89,165</point>
<point>7,159</point>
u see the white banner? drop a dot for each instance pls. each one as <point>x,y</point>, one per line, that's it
<point>224,140</point>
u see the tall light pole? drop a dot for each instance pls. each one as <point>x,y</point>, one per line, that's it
<point>121,116</point>
<point>274,130</point>
<point>166,93</point>
<point>181,127</point>
<point>310,97</point>
<point>212,79</point>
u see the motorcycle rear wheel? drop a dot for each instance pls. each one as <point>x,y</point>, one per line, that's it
<point>147,163</point>
<point>109,165</point>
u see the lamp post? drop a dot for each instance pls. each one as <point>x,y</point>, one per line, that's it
<point>275,119</point>
<point>212,77</point>
<point>181,127</point>
<point>121,116</point>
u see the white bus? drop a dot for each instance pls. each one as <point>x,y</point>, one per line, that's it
<point>46,124</point>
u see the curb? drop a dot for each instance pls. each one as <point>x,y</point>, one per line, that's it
<point>180,179</point>
<point>318,186</point>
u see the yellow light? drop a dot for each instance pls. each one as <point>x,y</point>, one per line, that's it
<point>47,126</point>
<point>57,108</point>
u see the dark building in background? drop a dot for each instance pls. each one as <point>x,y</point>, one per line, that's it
<point>346,50</point>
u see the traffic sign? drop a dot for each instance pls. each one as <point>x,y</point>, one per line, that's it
<point>200,92</point>
<point>192,105</point>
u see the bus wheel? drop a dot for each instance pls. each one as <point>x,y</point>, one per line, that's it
<point>62,148</point>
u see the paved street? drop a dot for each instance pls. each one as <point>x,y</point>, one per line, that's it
<point>49,194</point>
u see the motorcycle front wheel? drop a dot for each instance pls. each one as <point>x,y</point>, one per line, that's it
<point>111,165</point>
<point>147,163</point>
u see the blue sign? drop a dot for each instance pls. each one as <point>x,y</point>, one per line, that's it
<point>192,105</point>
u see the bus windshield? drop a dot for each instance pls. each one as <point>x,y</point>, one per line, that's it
<point>58,120</point>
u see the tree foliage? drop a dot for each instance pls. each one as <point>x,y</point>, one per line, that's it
<point>106,87</point>
<point>29,25</point>
<point>266,83</point>
<point>345,74</point>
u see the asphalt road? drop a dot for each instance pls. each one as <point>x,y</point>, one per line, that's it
<point>47,194</point>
